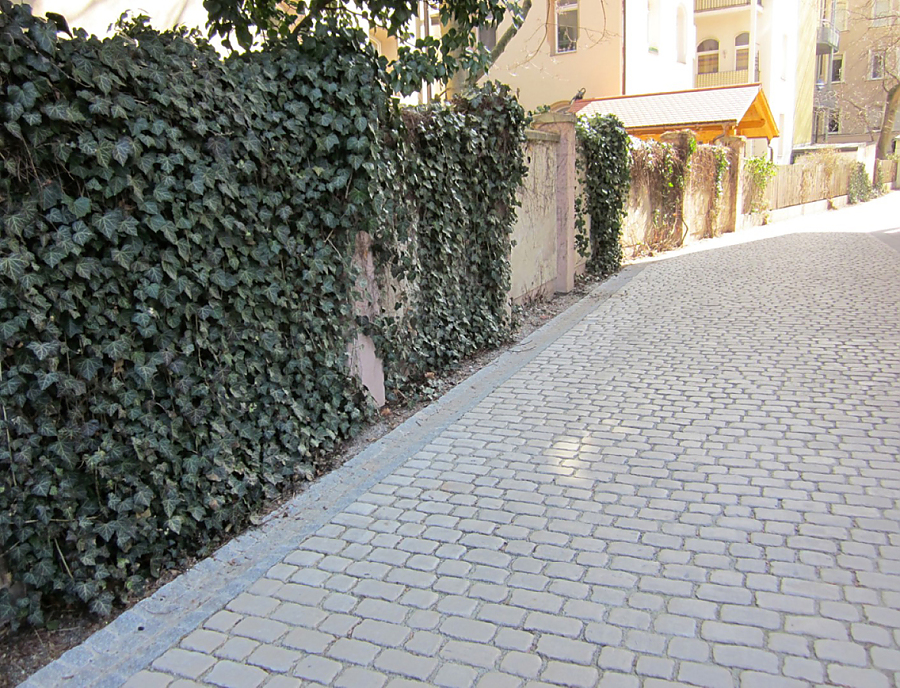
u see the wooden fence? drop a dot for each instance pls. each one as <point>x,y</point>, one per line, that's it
<point>796,184</point>
<point>888,174</point>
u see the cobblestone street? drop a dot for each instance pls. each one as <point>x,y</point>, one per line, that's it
<point>696,484</point>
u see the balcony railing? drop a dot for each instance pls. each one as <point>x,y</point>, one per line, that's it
<point>710,5</point>
<point>739,76</point>
<point>827,39</point>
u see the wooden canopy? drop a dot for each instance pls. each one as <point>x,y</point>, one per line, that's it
<point>708,112</point>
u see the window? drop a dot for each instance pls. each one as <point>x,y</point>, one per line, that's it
<point>840,15</point>
<point>837,68</point>
<point>834,122</point>
<point>434,26</point>
<point>876,65</point>
<point>680,32</point>
<point>566,26</point>
<point>708,56</point>
<point>882,11</point>
<point>742,51</point>
<point>487,35</point>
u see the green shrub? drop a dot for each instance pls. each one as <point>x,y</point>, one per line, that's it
<point>860,188</point>
<point>604,170</point>
<point>176,283</point>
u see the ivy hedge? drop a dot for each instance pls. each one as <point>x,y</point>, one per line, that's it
<point>604,172</point>
<point>177,282</point>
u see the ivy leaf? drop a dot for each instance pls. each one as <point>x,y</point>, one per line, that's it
<point>116,348</point>
<point>145,372</point>
<point>88,368</point>
<point>45,380</point>
<point>43,570</point>
<point>80,207</point>
<point>14,265</point>
<point>54,255</point>
<point>105,530</point>
<point>123,149</point>
<point>81,233</point>
<point>44,350</point>
<point>102,605</point>
<point>108,224</point>
<point>104,82</point>
<point>174,524</point>
<point>143,497</point>
<point>42,486</point>
<point>105,153</point>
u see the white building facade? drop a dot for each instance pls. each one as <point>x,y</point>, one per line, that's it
<point>750,41</point>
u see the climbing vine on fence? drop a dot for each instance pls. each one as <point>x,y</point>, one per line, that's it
<point>760,171</point>
<point>722,165</point>
<point>604,170</point>
<point>176,282</point>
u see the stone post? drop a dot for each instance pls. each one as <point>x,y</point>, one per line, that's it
<point>737,145</point>
<point>563,123</point>
<point>364,361</point>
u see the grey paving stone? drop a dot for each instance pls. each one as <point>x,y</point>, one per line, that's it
<point>406,664</point>
<point>183,663</point>
<point>425,643</point>
<point>468,629</point>
<point>273,659</point>
<point>318,669</point>
<point>705,675</point>
<point>149,679</point>
<point>567,649</point>
<point>524,664</point>
<point>381,633</point>
<point>237,649</point>
<point>560,673</point>
<point>307,640</point>
<point>353,651</point>
<point>854,677</point>
<point>470,653</point>
<point>203,641</point>
<point>455,676</point>
<point>229,674</point>
<point>355,677</point>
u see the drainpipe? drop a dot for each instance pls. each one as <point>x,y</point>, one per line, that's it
<point>752,57</point>
<point>624,41</point>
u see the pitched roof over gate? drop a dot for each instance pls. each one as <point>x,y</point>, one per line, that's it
<point>709,112</point>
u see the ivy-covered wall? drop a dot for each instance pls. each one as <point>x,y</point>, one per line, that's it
<point>176,282</point>
<point>604,178</point>
<point>680,192</point>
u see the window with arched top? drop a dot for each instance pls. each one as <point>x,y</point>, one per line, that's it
<point>742,51</point>
<point>680,35</point>
<point>708,56</point>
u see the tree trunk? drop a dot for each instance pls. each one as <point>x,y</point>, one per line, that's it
<point>883,148</point>
<point>462,80</point>
<point>504,40</point>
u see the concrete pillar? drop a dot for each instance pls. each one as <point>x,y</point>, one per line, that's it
<point>563,123</point>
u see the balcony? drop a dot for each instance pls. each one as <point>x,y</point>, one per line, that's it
<point>740,76</point>
<point>827,39</point>
<point>711,5</point>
